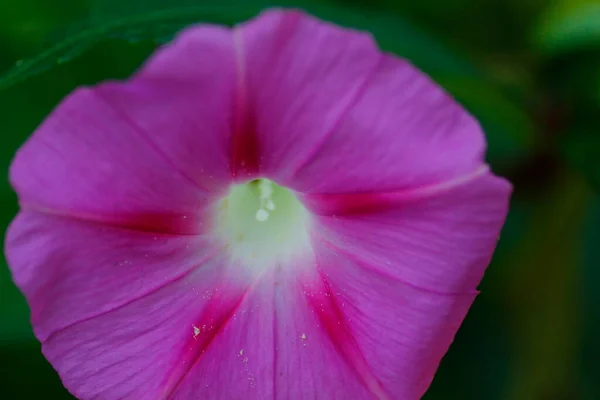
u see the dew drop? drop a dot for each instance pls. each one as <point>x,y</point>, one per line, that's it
<point>262,215</point>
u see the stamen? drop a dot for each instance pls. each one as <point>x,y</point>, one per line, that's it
<point>266,202</point>
<point>263,225</point>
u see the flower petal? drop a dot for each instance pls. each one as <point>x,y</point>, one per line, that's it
<point>402,332</point>
<point>183,98</point>
<point>333,114</point>
<point>440,240</point>
<point>238,364</point>
<point>139,350</point>
<point>143,154</point>
<point>71,271</point>
<point>320,359</point>
<point>273,347</point>
<point>120,313</point>
<point>300,75</point>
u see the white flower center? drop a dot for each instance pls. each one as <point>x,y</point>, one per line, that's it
<point>262,225</point>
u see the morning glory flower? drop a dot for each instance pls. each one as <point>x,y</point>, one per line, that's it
<point>274,211</point>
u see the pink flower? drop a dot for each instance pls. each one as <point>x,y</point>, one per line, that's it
<point>278,211</point>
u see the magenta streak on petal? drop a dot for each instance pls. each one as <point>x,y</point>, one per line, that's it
<point>245,150</point>
<point>322,301</point>
<point>139,297</point>
<point>345,109</point>
<point>371,268</point>
<point>216,314</point>
<point>160,223</point>
<point>144,136</point>
<point>333,204</point>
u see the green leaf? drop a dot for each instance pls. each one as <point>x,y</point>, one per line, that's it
<point>542,293</point>
<point>27,375</point>
<point>509,130</point>
<point>159,20</point>
<point>591,299</point>
<point>581,149</point>
<point>479,359</point>
<point>15,315</point>
<point>569,25</point>
<point>14,325</point>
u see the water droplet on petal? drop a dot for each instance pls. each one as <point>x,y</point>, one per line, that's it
<point>262,215</point>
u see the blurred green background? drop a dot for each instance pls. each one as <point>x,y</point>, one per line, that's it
<point>529,70</point>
